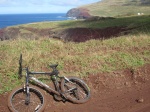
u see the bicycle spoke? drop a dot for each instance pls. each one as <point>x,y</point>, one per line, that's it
<point>17,102</point>
<point>75,90</point>
<point>81,94</point>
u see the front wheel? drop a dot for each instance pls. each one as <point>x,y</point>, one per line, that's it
<point>17,103</point>
<point>75,89</point>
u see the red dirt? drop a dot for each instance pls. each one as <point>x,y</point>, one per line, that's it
<point>85,34</point>
<point>121,91</point>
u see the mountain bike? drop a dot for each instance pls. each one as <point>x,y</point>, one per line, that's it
<point>29,98</point>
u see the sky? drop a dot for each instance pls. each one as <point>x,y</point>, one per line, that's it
<point>40,6</point>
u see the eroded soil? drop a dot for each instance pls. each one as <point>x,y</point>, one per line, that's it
<point>71,34</point>
<point>120,91</point>
<point>85,34</point>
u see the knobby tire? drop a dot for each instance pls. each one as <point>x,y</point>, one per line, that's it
<point>82,92</point>
<point>16,100</point>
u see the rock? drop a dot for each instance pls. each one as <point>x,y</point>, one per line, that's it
<point>140,100</point>
<point>127,84</point>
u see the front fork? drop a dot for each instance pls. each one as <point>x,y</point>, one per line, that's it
<point>27,89</point>
<point>27,94</point>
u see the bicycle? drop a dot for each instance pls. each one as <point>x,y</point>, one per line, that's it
<point>29,98</point>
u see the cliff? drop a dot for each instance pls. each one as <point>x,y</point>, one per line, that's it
<point>79,13</point>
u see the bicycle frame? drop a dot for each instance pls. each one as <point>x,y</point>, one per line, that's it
<point>57,91</point>
<point>29,77</point>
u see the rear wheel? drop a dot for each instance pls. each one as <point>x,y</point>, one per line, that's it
<point>75,89</point>
<point>16,100</point>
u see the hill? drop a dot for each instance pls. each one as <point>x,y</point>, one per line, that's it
<point>119,43</point>
<point>117,8</point>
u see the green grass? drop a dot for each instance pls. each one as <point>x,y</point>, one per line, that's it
<point>77,59</point>
<point>141,23</point>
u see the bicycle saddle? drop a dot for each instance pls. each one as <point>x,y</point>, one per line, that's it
<point>53,66</point>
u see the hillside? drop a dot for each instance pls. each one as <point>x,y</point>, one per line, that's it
<point>118,7</point>
<point>79,30</point>
<point>116,69</point>
<point>118,34</point>
<point>111,54</point>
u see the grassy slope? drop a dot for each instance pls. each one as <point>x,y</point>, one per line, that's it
<point>74,59</point>
<point>142,23</point>
<point>117,8</point>
<point>78,59</point>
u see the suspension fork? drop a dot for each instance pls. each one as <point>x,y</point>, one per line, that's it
<point>26,87</point>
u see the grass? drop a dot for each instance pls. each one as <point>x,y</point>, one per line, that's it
<point>77,59</point>
<point>116,8</point>
<point>141,23</point>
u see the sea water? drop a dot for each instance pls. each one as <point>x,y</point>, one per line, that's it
<point>17,19</point>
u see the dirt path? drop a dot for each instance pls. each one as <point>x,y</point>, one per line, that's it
<point>120,91</point>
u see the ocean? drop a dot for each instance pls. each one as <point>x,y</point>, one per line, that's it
<point>17,19</point>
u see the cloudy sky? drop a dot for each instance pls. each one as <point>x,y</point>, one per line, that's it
<point>40,6</point>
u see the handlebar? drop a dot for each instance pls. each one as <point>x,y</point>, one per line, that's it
<point>20,67</point>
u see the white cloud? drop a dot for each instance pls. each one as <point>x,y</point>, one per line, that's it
<point>70,2</point>
<point>25,6</point>
<point>46,2</point>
